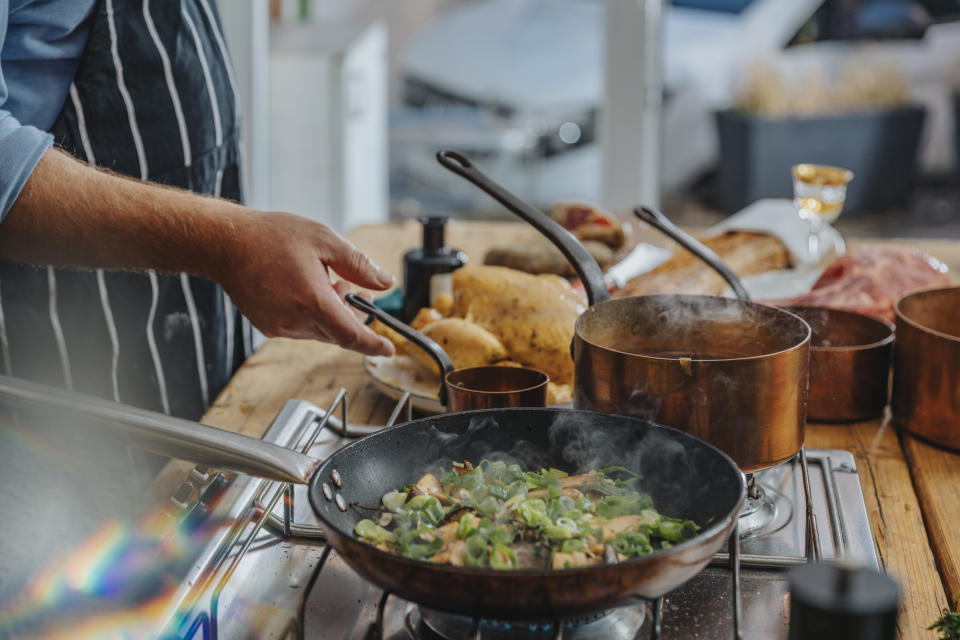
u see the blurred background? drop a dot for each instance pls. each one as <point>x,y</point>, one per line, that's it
<point>699,106</point>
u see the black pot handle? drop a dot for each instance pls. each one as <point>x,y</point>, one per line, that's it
<point>694,246</point>
<point>433,349</point>
<point>586,267</point>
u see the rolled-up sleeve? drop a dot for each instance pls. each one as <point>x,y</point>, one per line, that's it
<point>21,147</point>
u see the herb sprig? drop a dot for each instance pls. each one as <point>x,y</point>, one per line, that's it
<point>948,625</point>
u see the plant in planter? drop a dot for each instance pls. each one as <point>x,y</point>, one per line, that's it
<point>862,120</point>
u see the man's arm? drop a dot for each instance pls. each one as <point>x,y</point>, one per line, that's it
<point>274,266</point>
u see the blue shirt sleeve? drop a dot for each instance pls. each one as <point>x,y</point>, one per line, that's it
<point>21,146</point>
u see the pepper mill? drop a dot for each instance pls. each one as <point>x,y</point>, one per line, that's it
<point>426,271</point>
<point>841,602</point>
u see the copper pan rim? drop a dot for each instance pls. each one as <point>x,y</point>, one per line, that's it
<point>543,379</point>
<point>808,334</point>
<point>922,327</point>
<point>852,347</point>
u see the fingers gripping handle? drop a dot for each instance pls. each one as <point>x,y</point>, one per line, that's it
<point>433,349</point>
<point>661,222</point>
<point>585,265</point>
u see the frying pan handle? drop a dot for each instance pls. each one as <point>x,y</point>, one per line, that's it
<point>433,349</point>
<point>694,246</point>
<point>171,436</point>
<point>585,265</point>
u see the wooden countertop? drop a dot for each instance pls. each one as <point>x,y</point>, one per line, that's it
<point>912,489</point>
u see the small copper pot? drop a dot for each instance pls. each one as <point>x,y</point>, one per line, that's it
<point>849,364</point>
<point>496,388</point>
<point>926,365</point>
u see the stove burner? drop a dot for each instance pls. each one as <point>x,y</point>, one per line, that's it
<point>617,624</point>
<point>763,509</point>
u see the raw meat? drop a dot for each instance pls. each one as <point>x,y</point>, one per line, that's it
<point>870,279</point>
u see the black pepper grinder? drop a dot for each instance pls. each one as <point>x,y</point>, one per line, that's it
<point>426,270</point>
<point>840,602</point>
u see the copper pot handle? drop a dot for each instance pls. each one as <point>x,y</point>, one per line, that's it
<point>433,349</point>
<point>585,265</point>
<point>656,219</point>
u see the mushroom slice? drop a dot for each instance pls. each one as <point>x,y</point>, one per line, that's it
<point>454,553</point>
<point>429,485</point>
<point>455,514</point>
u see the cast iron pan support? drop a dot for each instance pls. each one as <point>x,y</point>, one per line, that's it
<point>734,552</point>
<point>661,222</point>
<point>433,349</point>
<point>587,268</point>
<point>813,551</point>
<point>813,548</point>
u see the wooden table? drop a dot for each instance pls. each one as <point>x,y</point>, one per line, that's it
<point>912,490</point>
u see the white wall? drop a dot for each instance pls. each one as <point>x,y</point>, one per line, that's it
<point>328,128</point>
<point>403,19</point>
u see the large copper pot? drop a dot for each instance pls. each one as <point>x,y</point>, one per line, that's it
<point>926,365</point>
<point>729,371</point>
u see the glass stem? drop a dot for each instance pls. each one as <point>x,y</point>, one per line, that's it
<point>813,240</point>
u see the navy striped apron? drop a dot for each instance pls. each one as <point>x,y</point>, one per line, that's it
<point>154,98</point>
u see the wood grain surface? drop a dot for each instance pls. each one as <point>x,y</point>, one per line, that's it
<point>936,476</point>
<point>895,517</point>
<point>912,489</point>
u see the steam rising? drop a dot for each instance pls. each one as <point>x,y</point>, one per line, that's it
<point>479,443</point>
<point>702,327</point>
<point>677,471</point>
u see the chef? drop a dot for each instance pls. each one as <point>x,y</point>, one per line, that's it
<point>120,152</point>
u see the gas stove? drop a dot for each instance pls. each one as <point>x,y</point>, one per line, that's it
<point>266,573</point>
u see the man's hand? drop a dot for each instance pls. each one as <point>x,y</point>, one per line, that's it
<point>276,269</point>
<point>275,266</point>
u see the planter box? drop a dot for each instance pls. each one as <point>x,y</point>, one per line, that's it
<point>880,147</point>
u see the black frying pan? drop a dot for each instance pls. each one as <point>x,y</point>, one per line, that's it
<point>686,477</point>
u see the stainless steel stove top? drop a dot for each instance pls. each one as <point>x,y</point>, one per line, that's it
<point>252,581</point>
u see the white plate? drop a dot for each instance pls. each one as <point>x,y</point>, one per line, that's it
<point>397,374</point>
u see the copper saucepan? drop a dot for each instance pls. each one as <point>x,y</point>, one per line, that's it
<point>475,387</point>
<point>732,372</point>
<point>849,364</point>
<point>926,365</point>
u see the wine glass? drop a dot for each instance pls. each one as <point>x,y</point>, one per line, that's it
<point>819,191</point>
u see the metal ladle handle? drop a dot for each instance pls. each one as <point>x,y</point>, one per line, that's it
<point>433,349</point>
<point>656,219</point>
<point>585,265</point>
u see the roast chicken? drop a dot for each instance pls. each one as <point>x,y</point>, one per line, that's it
<point>505,317</point>
<point>533,316</point>
<point>467,344</point>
